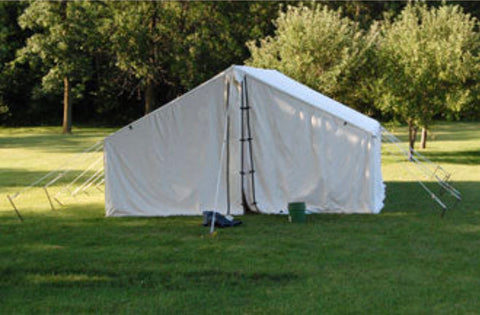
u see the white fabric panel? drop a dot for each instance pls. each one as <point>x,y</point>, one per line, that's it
<point>297,90</point>
<point>304,154</point>
<point>167,164</point>
<point>234,146</point>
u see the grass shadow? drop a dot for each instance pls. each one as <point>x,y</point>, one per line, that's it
<point>470,157</point>
<point>411,197</point>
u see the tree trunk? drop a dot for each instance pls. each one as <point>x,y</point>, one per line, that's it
<point>67,107</point>
<point>412,136</point>
<point>423,141</point>
<point>149,96</point>
<point>150,85</point>
<point>67,102</point>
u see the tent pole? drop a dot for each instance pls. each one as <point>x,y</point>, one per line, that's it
<point>99,175</point>
<point>227,173</point>
<point>49,199</point>
<point>82,186</point>
<point>92,165</point>
<point>15,208</point>
<point>94,147</point>
<point>223,149</point>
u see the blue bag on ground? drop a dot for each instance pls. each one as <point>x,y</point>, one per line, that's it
<point>220,220</point>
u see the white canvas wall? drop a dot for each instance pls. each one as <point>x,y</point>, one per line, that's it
<point>306,147</point>
<point>167,163</point>
<point>302,153</point>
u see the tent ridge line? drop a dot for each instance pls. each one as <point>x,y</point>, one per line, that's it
<point>313,106</point>
<point>170,103</point>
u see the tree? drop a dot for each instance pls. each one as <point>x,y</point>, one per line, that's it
<point>429,63</point>
<point>212,36</point>
<point>318,47</point>
<point>366,12</point>
<point>170,47</point>
<point>140,38</point>
<point>63,33</point>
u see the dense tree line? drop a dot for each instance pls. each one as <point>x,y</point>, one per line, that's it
<point>111,62</point>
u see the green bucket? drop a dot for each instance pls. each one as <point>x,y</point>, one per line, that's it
<point>296,212</point>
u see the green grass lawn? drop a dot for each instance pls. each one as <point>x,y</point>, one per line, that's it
<point>74,260</point>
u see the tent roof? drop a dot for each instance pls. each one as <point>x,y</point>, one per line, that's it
<point>288,86</point>
<point>302,92</point>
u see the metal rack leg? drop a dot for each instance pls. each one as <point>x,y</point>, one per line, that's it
<point>15,208</point>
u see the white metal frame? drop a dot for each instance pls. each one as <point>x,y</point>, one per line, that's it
<point>419,166</point>
<point>59,173</point>
<point>422,166</point>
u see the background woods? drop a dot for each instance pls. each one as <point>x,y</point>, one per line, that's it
<point>111,62</point>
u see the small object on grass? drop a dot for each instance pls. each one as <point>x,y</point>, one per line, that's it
<point>220,220</point>
<point>296,212</point>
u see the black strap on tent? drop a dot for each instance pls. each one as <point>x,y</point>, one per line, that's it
<point>242,151</point>
<point>247,137</point>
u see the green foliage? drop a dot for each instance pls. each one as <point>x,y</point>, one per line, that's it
<point>140,36</point>
<point>178,45</point>
<point>318,47</point>
<point>74,260</point>
<point>22,101</point>
<point>8,15</point>
<point>112,51</point>
<point>64,34</point>
<point>11,38</point>
<point>365,12</point>
<point>212,36</point>
<point>428,63</point>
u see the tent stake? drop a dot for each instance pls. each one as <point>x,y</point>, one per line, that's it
<point>99,183</point>
<point>15,208</point>
<point>49,199</point>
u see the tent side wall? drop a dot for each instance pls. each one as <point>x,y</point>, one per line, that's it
<point>303,153</point>
<point>167,162</point>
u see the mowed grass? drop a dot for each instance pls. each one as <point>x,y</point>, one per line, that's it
<point>74,260</point>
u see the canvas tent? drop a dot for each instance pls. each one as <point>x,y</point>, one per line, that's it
<point>270,140</point>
